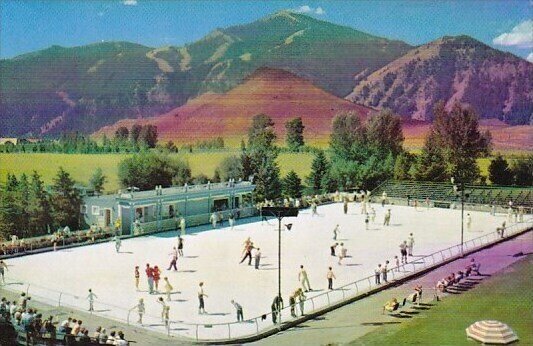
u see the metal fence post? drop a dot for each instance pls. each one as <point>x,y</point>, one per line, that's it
<point>327,295</point>
<point>256,326</point>
<point>59,301</point>
<point>229,331</point>
<point>356,288</point>
<point>196,332</point>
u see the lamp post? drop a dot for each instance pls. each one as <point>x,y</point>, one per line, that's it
<point>460,189</point>
<point>280,213</point>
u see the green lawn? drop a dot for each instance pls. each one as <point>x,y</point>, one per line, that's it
<point>82,166</point>
<point>505,297</point>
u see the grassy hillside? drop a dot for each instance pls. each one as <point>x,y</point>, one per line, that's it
<point>82,166</point>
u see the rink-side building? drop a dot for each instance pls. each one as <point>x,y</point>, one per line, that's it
<point>161,209</point>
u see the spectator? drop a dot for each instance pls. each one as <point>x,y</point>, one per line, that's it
<point>120,340</point>
<point>111,338</point>
<point>102,339</point>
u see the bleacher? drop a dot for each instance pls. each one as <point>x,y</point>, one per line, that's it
<point>444,192</point>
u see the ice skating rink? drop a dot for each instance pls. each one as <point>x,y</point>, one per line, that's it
<point>213,257</point>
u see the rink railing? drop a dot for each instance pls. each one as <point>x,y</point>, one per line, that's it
<point>263,323</point>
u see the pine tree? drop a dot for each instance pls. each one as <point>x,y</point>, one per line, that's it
<point>65,201</point>
<point>38,206</point>
<point>98,180</point>
<point>295,134</point>
<point>292,185</point>
<point>499,171</point>
<point>522,170</point>
<point>430,164</point>
<point>319,169</point>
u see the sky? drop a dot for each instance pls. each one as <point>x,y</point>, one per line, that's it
<point>30,25</point>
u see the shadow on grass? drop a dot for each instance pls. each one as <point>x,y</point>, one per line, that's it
<point>378,323</point>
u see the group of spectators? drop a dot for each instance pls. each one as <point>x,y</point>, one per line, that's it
<point>454,278</point>
<point>31,322</point>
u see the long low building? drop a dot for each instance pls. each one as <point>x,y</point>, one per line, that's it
<point>161,209</point>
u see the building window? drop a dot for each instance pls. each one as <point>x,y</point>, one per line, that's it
<point>95,210</point>
<point>83,209</point>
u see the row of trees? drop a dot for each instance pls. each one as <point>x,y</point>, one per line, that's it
<point>28,209</point>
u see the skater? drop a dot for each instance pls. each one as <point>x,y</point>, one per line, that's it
<point>214,219</point>
<point>384,270</point>
<point>231,220</point>
<point>510,213</point>
<point>377,274</point>
<point>415,204</point>
<point>345,206</point>
<point>383,198</point>
<point>257,257</point>
<point>118,243</point>
<point>500,230</point>
<point>238,308</point>
<point>3,267</point>
<point>427,203</point>
<point>403,251</point>
<point>277,305</point>
<point>140,310</point>
<point>182,225</point>
<point>330,276</point>
<point>168,288</point>
<point>301,300</point>
<point>332,248</point>
<point>314,207</point>
<point>367,220</point>
<point>150,277</point>
<point>410,243</point>
<point>336,231</point>
<point>386,220</point>
<point>157,277</point>
<point>492,210</point>
<point>163,308</point>
<point>91,298</point>
<point>397,263</point>
<point>180,246</point>
<point>292,303</point>
<point>302,277</point>
<point>137,277</point>
<point>521,213</point>
<point>468,222</point>
<point>174,259</point>
<point>201,296</point>
<point>363,205</point>
<point>342,253</point>
<point>372,214</point>
<point>248,253</point>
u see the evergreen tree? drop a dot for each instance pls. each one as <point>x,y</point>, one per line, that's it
<point>9,209</point>
<point>430,164</point>
<point>22,197</point>
<point>148,136</point>
<point>65,201</point>
<point>135,133</point>
<point>38,206</point>
<point>348,137</point>
<point>97,181</point>
<point>319,169</point>
<point>499,171</point>
<point>295,134</point>
<point>402,166</point>
<point>292,185</point>
<point>522,170</point>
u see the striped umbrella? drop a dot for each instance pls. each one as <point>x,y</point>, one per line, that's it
<point>491,332</point>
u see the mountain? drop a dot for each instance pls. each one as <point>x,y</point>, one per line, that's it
<point>452,69</point>
<point>277,93</point>
<point>84,88</point>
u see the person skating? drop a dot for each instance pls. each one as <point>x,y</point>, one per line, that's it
<point>383,199</point>
<point>201,296</point>
<point>386,220</point>
<point>342,253</point>
<point>137,277</point>
<point>384,270</point>
<point>238,308</point>
<point>345,206</point>
<point>314,209</point>
<point>213,219</point>
<point>168,288</point>
<point>150,277</point>
<point>180,246</point>
<point>163,308</point>
<point>292,304</point>
<point>377,274</point>
<point>332,248</point>
<point>91,297</point>
<point>367,221</point>
<point>336,232</point>
<point>410,243</point>
<point>372,214</point>
<point>248,254</point>
<point>3,268</point>
<point>397,263</point>
<point>257,257</point>
<point>301,299</point>
<point>330,276</point>
<point>140,310</point>
<point>403,251</point>
<point>468,222</point>
<point>174,259</point>
<point>118,243</point>
<point>231,220</point>
<point>277,305</point>
<point>304,280</point>
<point>157,277</point>
<point>182,226</point>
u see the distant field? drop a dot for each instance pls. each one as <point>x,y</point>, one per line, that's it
<point>82,166</point>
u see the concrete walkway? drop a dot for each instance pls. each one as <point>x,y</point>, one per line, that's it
<point>359,318</point>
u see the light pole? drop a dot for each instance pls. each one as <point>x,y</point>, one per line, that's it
<point>280,213</point>
<point>460,189</point>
